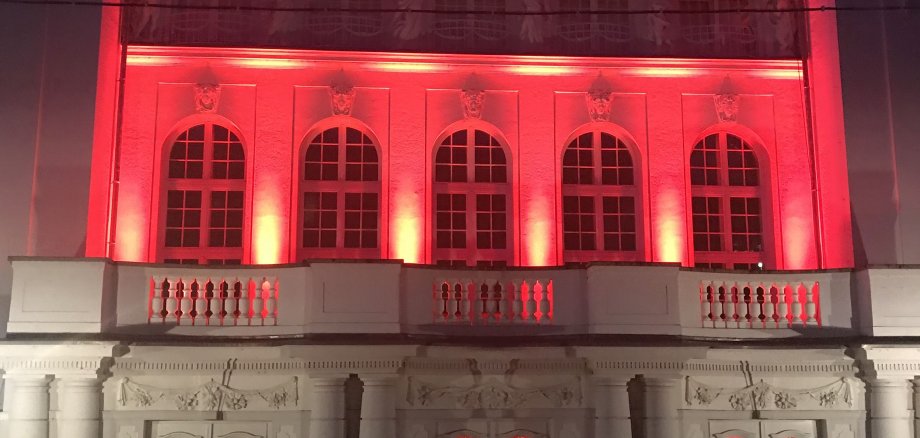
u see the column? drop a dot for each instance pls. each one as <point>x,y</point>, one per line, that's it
<point>79,407</point>
<point>327,407</point>
<point>889,408</point>
<point>378,407</point>
<point>611,407</point>
<point>662,400</point>
<point>28,406</point>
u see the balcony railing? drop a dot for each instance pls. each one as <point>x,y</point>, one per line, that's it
<point>759,303</point>
<point>502,27</point>
<point>493,301</point>
<point>99,296</point>
<point>213,299</point>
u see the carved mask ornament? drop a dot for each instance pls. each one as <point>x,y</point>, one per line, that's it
<point>599,99</point>
<point>207,96</point>
<point>727,103</point>
<point>472,103</point>
<point>343,99</point>
<point>599,102</point>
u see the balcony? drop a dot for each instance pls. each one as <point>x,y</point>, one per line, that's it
<point>388,297</point>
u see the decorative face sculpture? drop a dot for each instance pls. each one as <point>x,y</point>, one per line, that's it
<point>727,106</point>
<point>599,102</point>
<point>207,96</point>
<point>472,103</point>
<point>343,97</point>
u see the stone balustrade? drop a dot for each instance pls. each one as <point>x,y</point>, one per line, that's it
<point>761,303</point>
<point>494,302</point>
<point>213,300</point>
<point>99,296</point>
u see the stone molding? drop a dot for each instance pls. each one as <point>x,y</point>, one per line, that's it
<point>765,397</point>
<point>212,396</point>
<point>280,366</point>
<point>425,365</point>
<point>492,393</point>
<point>710,367</point>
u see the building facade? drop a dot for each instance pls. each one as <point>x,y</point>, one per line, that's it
<point>462,219</point>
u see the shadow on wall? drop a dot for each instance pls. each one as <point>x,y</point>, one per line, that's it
<point>860,260</point>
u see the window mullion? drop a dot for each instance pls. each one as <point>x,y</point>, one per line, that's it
<point>471,227</point>
<point>598,222</point>
<point>340,156</point>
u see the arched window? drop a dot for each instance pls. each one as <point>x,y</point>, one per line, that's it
<point>599,199</point>
<point>727,203</point>
<point>472,197</point>
<point>204,197</point>
<point>340,195</point>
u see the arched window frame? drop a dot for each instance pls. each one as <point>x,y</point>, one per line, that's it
<point>727,258</point>
<point>340,186</point>
<point>597,191</point>
<point>471,255</point>
<point>207,185</point>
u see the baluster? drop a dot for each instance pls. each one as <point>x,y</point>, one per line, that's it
<point>457,302</point>
<point>469,297</point>
<point>271,302</point>
<point>244,305</point>
<point>550,291</point>
<point>796,304</point>
<point>761,301</point>
<point>782,304</point>
<point>483,300</point>
<point>230,302</point>
<point>172,301</point>
<point>543,304</point>
<point>705,303</point>
<point>769,305</point>
<point>185,302</point>
<point>737,306</point>
<point>258,300</point>
<point>156,300</point>
<point>810,305</point>
<point>214,301</point>
<point>201,304</point>
<point>517,301</point>
<point>444,302</point>
<point>718,313</point>
<point>497,308</point>
<point>746,289</point>
<point>530,306</point>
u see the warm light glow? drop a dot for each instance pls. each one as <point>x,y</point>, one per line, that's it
<point>663,72</point>
<point>270,63</point>
<point>131,237</point>
<point>669,232</point>
<point>779,74</point>
<point>408,67</point>
<point>151,60</point>
<point>408,230</point>
<point>542,70</point>
<point>266,238</point>
<point>539,220</point>
<point>797,241</point>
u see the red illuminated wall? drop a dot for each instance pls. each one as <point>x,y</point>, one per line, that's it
<point>276,98</point>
